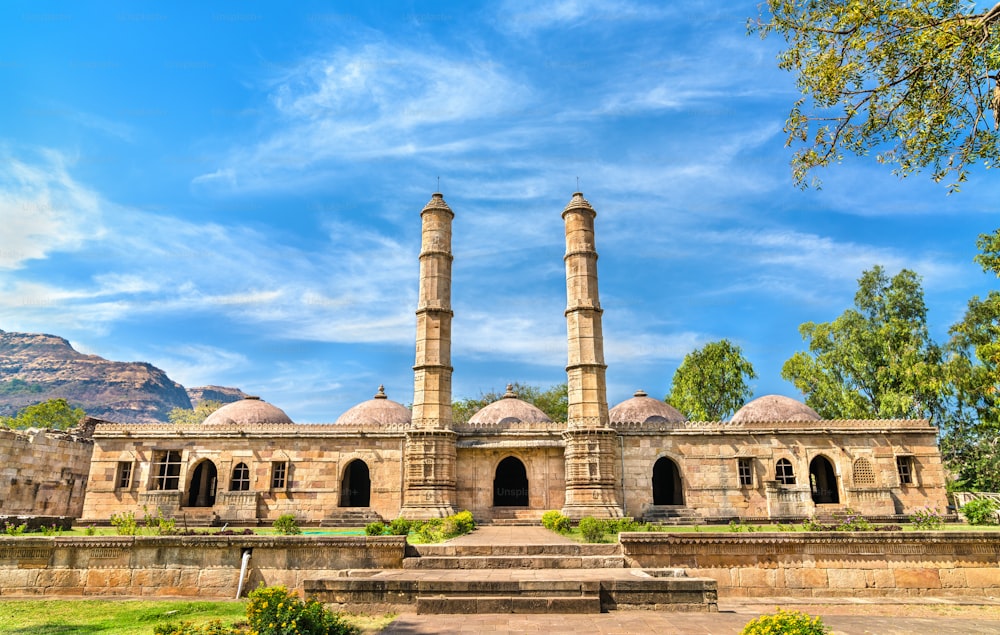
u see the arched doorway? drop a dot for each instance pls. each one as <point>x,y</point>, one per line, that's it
<point>667,488</point>
<point>823,481</point>
<point>204,479</point>
<point>510,485</point>
<point>356,486</point>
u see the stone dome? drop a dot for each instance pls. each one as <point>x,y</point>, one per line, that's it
<point>379,409</point>
<point>247,411</point>
<point>509,409</point>
<point>642,408</point>
<point>775,408</point>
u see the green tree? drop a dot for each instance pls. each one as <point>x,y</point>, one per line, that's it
<point>553,401</point>
<point>971,431</point>
<point>196,415</point>
<point>712,382</point>
<point>54,414</point>
<point>909,80</point>
<point>876,360</point>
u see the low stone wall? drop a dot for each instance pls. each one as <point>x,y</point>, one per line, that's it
<point>204,566</point>
<point>879,564</point>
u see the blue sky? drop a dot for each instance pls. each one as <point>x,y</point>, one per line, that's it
<point>232,192</point>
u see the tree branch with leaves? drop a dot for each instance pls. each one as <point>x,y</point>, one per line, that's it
<point>911,81</point>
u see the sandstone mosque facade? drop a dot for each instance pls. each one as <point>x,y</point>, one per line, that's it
<point>775,459</point>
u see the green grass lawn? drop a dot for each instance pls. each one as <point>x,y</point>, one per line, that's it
<point>129,617</point>
<point>108,617</point>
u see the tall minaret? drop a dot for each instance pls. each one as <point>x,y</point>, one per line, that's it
<point>429,460</point>
<point>590,444</point>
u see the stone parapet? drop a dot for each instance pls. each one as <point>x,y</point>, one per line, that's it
<point>203,566</point>
<point>880,564</point>
<point>107,430</point>
<point>867,426</point>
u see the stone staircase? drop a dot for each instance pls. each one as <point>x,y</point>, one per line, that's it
<point>351,517</point>
<point>562,556</point>
<point>496,577</point>
<point>515,516</point>
<point>671,515</point>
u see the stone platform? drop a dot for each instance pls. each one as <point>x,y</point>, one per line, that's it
<point>514,570</point>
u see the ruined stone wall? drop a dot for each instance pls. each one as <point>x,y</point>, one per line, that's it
<point>477,468</point>
<point>315,467</point>
<point>708,465</point>
<point>43,473</point>
<point>203,566</point>
<point>869,564</point>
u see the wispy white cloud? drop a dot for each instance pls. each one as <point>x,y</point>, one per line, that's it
<point>525,17</point>
<point>43,209</point>
<point>379,100</point>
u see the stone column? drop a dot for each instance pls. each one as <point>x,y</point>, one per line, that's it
<point>591,483</point>
<point>429,458</point>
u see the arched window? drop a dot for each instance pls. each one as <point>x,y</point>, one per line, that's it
<point>241,478</point>
<point>863,472</point>
<point>783,472</point>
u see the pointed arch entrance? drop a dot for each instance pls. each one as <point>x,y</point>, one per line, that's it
<point>510,484</point>
<point>204,481</point>
<point>823,481</point>
<point>667,489</point>
<point>356,486</point>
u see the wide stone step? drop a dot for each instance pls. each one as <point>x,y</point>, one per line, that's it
<point>515,562</point>
<point>479,604</point>
<point>514,590</point>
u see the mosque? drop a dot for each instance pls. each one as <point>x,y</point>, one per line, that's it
<point>776,459</point>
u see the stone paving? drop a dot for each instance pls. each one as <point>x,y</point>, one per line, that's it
<point>846,616</point>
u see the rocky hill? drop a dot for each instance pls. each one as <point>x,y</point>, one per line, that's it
<point>35,367</point>
<point>221,394</point>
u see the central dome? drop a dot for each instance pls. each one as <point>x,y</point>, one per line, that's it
<point>509,409</point>
<point>247,411</point>
<point>379,410</point>
<point>773,408</point>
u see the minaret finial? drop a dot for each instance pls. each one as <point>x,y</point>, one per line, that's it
<point>439,184</point>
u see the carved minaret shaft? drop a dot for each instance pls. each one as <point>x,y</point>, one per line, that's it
<point>590,444</point>
<point>430,443</point>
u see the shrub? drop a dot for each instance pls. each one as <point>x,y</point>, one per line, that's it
<point>853,521</point>
<point>618,525</point>
<point>400,526</point>
<point>785,623</point>
<point>376,528</point>
<point>927,519</point>
<point>464,523</point>
<point>592,529</point>
<point>124,524</point>
<point>981,511</point>
<point>162,525</point>
<point>50,530</point>
<point>15,530</point>
<point>90,530</point>
<point>215,627</point>
<point>286,525</point>
<point>554,520</point>
<point>275,611</point>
